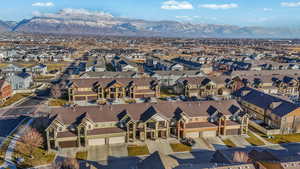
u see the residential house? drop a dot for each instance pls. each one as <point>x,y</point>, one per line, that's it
<point>39,69</point>
<point>5,91</point>
<point>124,65</point>
<point>169,78</point>
<point>20,81</point>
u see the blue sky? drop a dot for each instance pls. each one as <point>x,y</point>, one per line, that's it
<point>270,13</point>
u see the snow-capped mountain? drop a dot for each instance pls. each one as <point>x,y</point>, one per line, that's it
<point>83,22</point>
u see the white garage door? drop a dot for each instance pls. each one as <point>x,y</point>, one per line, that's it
<point>192,134</point>
<point>96,142</point>
<point>115,140</point>
<point>208,134</point>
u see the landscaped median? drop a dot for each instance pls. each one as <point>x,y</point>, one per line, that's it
<point>137,150</point>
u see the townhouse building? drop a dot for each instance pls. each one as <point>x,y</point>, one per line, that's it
<point>99,89</point>
<point>203,86</point>
<point>110,124</point>
<point>270,112</point>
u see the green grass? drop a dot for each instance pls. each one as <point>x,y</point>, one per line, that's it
<point>14,99</point>
<point>39,157</point>
<point>229,143</point>
<point>2,65</point>
<point>82,155</point>
<point>134,150</point>
<point>57,102</point>
<point>178,147</point>
<point>253,140</point>
<point>284,138</point>
<point>56,66</point>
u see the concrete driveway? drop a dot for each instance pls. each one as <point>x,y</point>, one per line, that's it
<point>118,150</point>
<point>98,153</point>
<point>160,145</point>
<point>216,142</point>
<point>239,141</point>
<point>202,144</point>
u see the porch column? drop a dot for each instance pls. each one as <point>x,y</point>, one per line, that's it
<point>224,126</point>
<point>178,130</point>
<point>128,133</point>
<point>145,131</point>
<point>55,141</point>
<point>156,130</point>
<point>78,137</point>
<point>168,129</point>
<point>48,141</point>
<point>134,132</point>
<point>116,92</point>
<point>183,132</point>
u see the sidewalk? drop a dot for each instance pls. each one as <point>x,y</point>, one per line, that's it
<point>9,153</point>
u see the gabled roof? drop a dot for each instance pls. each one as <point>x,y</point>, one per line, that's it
<point>144,111</point>
<point>149,113</point>
<point>266,101</point>
<point>23,75</point>
<point>157,160</point>
<point>90,82</point>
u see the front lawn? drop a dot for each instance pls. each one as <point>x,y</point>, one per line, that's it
<point>39,157</point>
<point>229,143</point>
<point>82,155</point>
<point>284,138</point>
<point>135,150</point>
<point>57,102</point>
<point>178,147</point>
<point>2,65</point>
<point>165,92</point>
<point>56,66</point>
<point>253,140</point>
<point>15,98</point>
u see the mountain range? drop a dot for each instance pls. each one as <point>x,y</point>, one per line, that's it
<point>81,22</point>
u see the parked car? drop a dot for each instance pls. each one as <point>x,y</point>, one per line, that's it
<point>188,141</point>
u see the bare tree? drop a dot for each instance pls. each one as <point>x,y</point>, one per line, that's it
<point>241,157</point>
<point>40,123</point>
<point>68,163</point>
<point>56,91</point>
<point>30,141</point>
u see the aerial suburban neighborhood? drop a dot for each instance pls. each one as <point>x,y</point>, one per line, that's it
<point>89,90</point>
